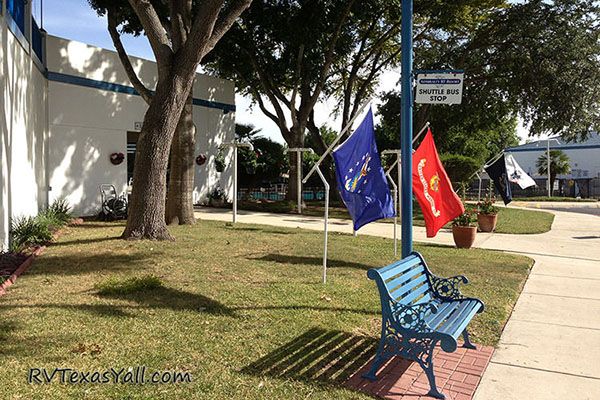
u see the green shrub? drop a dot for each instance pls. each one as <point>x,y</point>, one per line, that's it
<point>50,219</point>
<point>115,286</point>
<point>61,210</point>
<point>458,167</point>
<point>29,231</point>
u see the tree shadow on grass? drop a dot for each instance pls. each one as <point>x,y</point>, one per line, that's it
<point>325,356</point>
<point>173,299</point>
<point>159,298</point>
<point>84,241</point>
<point>363,311</point>
<point>290,259</point>
<point>77,264</point>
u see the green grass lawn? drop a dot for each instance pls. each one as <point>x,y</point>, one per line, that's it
<point>510,220</point>
<point>240,308</point>
<point>521,221</point>
<point>555,198</point>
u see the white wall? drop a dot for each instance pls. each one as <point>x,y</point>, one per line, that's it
<point>585,162</point>
<point>86,124</point>
<point>22,133</point>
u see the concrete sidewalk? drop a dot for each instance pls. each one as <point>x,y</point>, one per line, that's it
<point>550,346</point>
<point>584,207</point>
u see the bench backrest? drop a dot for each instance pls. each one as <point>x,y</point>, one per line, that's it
<point>405,281</point>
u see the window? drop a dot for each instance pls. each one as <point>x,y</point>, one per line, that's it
<point>37,38</point>
<point>37,41</point>
<point>16,9</point>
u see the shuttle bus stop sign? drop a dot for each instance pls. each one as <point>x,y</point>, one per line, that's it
<point>439,88</point>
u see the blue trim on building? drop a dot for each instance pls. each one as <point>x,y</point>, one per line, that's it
<point>118,88</point>
<point>518,150</point>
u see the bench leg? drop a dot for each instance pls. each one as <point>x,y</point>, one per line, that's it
<point>467,343</point>
<point>379,359</point>
<point>426,363</point>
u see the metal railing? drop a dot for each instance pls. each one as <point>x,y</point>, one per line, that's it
<point>279,194</point>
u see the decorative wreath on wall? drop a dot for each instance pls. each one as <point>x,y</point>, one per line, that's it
<point>201,159</point>
<point>117,158</point>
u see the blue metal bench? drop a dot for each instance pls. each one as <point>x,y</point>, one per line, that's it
<point>418,310</point>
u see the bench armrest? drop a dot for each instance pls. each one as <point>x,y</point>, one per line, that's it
<point>447,288</point>
<point>412,316</point>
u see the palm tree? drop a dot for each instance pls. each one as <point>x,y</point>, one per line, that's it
<point>559,165</point>
<point>246,132</point>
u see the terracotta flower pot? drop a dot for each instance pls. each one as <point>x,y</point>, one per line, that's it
<point>487,222</point>
<point>464,236</point>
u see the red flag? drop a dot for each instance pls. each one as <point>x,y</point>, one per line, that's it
<point>433,189</point>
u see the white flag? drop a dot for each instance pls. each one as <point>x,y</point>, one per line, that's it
<point>516,174</point>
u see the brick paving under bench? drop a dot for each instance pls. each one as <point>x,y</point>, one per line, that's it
<point>457,376</point>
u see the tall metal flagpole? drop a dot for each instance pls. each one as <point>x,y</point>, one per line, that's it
<point>548,166</point>
<point>406,132</point>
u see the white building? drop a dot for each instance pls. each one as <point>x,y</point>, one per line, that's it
<point>67,106</point>
<point>584,179</point>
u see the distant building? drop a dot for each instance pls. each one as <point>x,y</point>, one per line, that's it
<point>584,179</point>
<point>67,106</point>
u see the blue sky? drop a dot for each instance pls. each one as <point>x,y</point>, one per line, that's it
<point>75,20</point>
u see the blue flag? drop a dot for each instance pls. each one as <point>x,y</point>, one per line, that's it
<point>360,177</point>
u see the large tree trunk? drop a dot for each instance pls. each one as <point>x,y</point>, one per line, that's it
<point>146,219</point>
<point>180,204</point>
<point>297,140</point>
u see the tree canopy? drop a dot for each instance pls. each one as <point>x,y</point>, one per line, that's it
<point>538,59</point>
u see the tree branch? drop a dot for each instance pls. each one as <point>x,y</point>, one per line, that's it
<point>156,33</point>
<point>154,29</point>
<point>328,58</point>
<point>180,12</point>
<point>116,39</point>
<point>227,20</point>
<point>297,76</point>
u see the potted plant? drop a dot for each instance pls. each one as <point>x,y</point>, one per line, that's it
<point>464,229</point>
<point>216,198</point>
<point>487,215</point>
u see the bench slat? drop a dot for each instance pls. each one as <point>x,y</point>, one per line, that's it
<point>425,299</point>
<point>443,311</point>
<point>397,268</point>
<point>465,322</point>
<point>405,277</point>
<point>410,297</point>
<point>458,318</point>
<point>400,291</point>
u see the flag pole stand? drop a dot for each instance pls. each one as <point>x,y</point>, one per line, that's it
<point>335,142</point>
<point>299,152</point>
<point>397,188</point>
<point>395,191</point>
<point>479,189</point>
<point>235,145</point>
<point>325,226</point>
